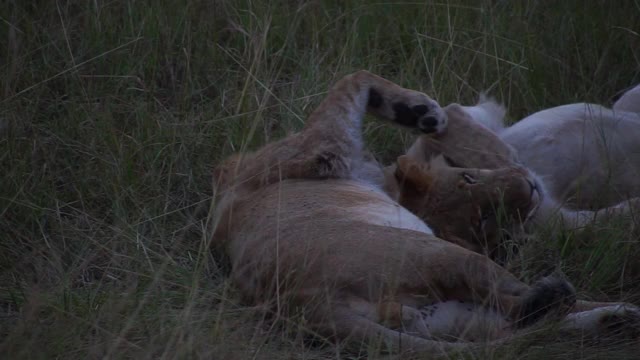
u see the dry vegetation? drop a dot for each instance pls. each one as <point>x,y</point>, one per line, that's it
<point>113,113</point>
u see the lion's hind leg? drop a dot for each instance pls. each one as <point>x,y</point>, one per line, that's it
<point>353,327</point>
<point>460,321</point>
<point>451,320</point>
<point>481,281</point>
<point>619,320</point>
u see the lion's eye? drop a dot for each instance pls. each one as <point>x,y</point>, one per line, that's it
<point>469,179</point>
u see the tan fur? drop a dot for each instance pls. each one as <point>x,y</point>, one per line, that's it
<point>466,184</point>
<point>466,206</point>
<point>474,146</point>
<point>584,156</point>
<point>440,194</point>
<point>466,143</point>
<point>293,220</point>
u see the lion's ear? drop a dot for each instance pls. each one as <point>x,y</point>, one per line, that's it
<point>414,173</point>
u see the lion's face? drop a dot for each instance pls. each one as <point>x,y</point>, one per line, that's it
<point>466,206</point>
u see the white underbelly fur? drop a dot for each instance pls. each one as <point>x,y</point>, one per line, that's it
<point>386,212</point>
<point>353,200</point>
<point>391,215</point>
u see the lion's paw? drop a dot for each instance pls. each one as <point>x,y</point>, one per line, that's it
<point>418,110</point>
<point>623,321</point>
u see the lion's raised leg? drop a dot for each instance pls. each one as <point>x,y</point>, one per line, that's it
<point>331,144</point>
<point>363,92</point>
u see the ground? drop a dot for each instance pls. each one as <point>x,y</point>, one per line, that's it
<point>113,114</point>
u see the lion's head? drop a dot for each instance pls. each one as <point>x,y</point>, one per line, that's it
<point>466,206</point>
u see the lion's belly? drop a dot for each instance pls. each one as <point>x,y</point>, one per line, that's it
<point>329,233</point>
<point>388,214</point>
<point>346,200</point>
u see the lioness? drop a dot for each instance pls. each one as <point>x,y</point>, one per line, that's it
<point>475,146</point>
<point>587,155</point>
<point>307,226</point>
<point>466,184</point>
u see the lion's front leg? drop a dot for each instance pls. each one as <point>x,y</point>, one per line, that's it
<point>332,142</point>
<point>363,92</point>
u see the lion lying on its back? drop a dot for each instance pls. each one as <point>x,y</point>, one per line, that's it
<point>308,228</point>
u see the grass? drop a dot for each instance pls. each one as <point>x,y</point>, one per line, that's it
<point>113,113</point>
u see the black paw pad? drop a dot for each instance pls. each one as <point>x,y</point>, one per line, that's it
<point>428,124</point>
<point>408,116</point>
<point>414,117</point>
<point>375,99</point>
<point>420,109</point>
<point>550,293</point>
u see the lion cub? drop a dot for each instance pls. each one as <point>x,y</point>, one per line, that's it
<point>308,228</point>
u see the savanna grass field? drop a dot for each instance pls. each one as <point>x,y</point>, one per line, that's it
<point>114,113</point>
